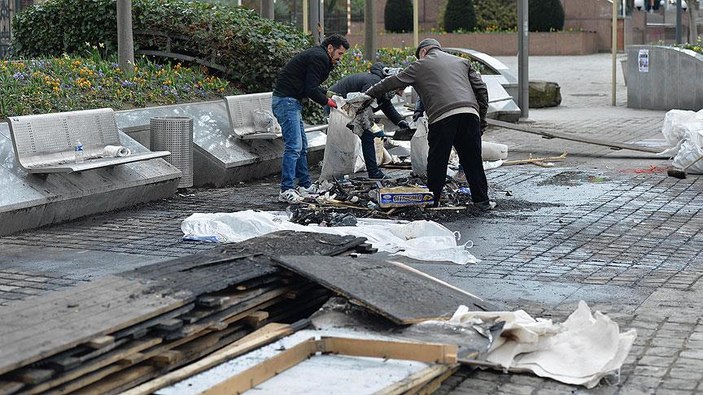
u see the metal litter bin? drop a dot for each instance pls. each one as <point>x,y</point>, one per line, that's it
<point>175,134</point>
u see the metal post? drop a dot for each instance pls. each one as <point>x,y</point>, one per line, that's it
<point>348,17</point>
<point>678,22</point>
<point>316,21</point>
<point>369,30</point>
<point>321,19</point>
<point>306,25</point>
<point>523,63</point>
<point>614,51</point>
<point>267,9</point>
<point>416,22</point>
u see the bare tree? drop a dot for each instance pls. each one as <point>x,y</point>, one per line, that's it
<point>125,41</point>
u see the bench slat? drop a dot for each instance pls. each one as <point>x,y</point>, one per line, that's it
<point>97,163</point>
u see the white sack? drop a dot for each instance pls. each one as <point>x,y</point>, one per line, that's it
<point>581,351</point>
<point>343,148</point>
<point>493,151</point>
<point>683,130</point>
<point>419,148</point>
<point>116,151</point>
<point>424,240</point>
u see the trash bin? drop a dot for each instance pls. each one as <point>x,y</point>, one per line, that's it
<point>175,134</point>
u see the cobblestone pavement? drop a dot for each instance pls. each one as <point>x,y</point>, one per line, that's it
<point>607,227</point>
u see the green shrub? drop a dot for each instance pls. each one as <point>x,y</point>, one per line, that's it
<point>459,15</point>
<point>545,15</point>
<point>69,83</point>
<point>398,16</point>
<point>251,48</point>
<point>495,15</point>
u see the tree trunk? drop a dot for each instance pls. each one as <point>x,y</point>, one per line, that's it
<point>369,30</point>
<point>125,41</point>
<point>692,21</point>
<point>267,9</point>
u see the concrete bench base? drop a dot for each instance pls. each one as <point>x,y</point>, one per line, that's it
<point>29,200</point>
<point>220,159</point>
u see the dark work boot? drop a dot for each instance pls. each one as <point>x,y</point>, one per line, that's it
<point>369,151</point>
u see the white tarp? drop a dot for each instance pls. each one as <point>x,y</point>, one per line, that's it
<point>580,351</point>
<point>424,240</point>
<point>684,131</point>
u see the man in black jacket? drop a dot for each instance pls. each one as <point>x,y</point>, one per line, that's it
<point>299,79</point>
<point>360,82</point>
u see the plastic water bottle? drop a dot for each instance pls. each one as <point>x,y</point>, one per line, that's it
<point>80,155</point>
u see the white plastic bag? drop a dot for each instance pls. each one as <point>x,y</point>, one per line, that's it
<point>684,131</point>
<point>341,149</point>
<point>419,148</point>
<point>265,121</point>
<point>493,151</point>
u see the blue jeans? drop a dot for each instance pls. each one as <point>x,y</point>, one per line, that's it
<point>288,112</point>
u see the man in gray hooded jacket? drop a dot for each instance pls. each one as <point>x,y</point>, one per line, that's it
<point>456,102</point>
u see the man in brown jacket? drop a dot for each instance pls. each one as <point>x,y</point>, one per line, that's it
<point>456,102</point>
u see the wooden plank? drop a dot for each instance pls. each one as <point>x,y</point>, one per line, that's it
<point>265,335</point>
<point>32,375</point>
<point>10,387</point>
<point>401,295</point>
<point>256,318</point>
<point>189,349</point>
<point>422,352</point>
<point>257,374</point>
<point>100,342</point>
<point>29,335</point>
<point>573,137</point>
<point>232,314</point>
<point>130,349</point>
<point>415,380</point>
<point>431,386</point>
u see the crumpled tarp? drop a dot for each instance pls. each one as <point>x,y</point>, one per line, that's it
<point>683,130</point>
<point>424,240</point>
<point>580,351</point>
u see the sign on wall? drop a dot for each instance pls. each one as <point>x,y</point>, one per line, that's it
<point>643,60</point>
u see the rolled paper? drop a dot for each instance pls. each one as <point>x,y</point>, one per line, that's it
<point>116,151</point>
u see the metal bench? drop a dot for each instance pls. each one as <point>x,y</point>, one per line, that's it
<point>241,110</point>
<point>44,143</point>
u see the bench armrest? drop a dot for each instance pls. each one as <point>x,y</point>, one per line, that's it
<point>96,163</point>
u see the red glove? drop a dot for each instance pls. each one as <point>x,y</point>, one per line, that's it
<point>331,103</point>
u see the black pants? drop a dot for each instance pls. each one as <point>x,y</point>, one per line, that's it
<point>463,132</point>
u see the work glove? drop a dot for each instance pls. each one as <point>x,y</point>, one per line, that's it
<point>417,115</point>
<point>403,124</point>
<point>331,103</point>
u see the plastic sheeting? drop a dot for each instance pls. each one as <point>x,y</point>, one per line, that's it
<point>423,240</point>
<point>580,351</point>
<point>683,130</point>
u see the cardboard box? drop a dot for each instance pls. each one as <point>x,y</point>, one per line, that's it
<point>404,196</point>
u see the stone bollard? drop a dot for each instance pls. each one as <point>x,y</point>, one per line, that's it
<point>544,94</point>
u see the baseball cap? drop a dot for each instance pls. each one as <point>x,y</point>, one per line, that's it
<point>428,42</point>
